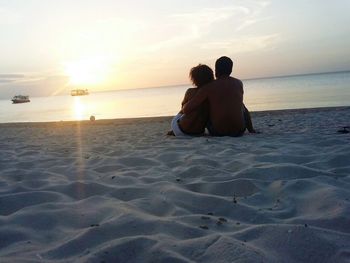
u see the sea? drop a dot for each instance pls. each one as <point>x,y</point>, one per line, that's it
<point>276,93</point>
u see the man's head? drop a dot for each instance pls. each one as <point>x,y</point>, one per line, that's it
<point>201,75</point>
<point>223,67</point>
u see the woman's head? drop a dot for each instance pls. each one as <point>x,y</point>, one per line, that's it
<point>201,75</point>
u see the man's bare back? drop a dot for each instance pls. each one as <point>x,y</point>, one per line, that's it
<point>225,97</point>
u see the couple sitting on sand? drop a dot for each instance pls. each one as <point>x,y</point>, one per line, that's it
<point>214,104</point>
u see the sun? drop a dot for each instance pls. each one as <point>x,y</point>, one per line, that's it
<point>88,71</point>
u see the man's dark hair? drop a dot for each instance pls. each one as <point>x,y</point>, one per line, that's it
<point>223,67</point>
<point>201,75</point>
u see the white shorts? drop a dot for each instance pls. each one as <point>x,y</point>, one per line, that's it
<point>175,126</point>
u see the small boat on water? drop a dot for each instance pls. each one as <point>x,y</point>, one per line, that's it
<point>20,99</point>
<point>79,92</point>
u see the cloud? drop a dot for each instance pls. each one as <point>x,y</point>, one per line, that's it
<point>19,78</point>
<point>200,25</point>
<point>165,42</point>
<point>6,81</point>
<point>8,17</point>
<point>32,84</point>
<point>174,42</point>
<point>166,36</point>
<point>9,78</point>
<point>244,44</point>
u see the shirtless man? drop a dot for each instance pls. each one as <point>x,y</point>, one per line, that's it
<point>225,97</point>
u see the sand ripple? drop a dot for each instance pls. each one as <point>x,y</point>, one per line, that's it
<point>121,191</point>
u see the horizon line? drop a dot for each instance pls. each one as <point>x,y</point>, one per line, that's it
<point>188,84</point>
<point>253,78</point>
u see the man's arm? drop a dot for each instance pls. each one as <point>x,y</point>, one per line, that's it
<point>196,101</point>
<point>241,83</point>
<point>187,97</point>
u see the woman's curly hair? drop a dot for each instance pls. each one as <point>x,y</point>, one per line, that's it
<point>201,75</point>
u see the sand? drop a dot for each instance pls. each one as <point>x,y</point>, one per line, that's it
<point>122,191</point>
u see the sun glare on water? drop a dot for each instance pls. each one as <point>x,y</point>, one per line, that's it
<point>79,109</point>
<point>88,71</point>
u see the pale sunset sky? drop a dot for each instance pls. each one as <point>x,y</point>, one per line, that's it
<point>48,47</point>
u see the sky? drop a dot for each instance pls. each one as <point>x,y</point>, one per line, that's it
<point>50,47</point>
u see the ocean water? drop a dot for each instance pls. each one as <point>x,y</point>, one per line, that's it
<point>292,92</point>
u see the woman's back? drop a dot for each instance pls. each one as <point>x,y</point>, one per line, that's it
<point>195,122</point>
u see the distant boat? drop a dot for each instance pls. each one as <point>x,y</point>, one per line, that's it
<point>20,99</point>
<point>79,92</point>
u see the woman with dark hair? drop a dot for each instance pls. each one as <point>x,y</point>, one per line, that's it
<point>194,123</point>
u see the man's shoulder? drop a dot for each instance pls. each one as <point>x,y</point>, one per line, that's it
<point>236,80</point>
<point>229,81</point>
<point>212,85</point>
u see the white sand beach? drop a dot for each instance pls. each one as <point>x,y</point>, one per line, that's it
<point>122,191</point>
